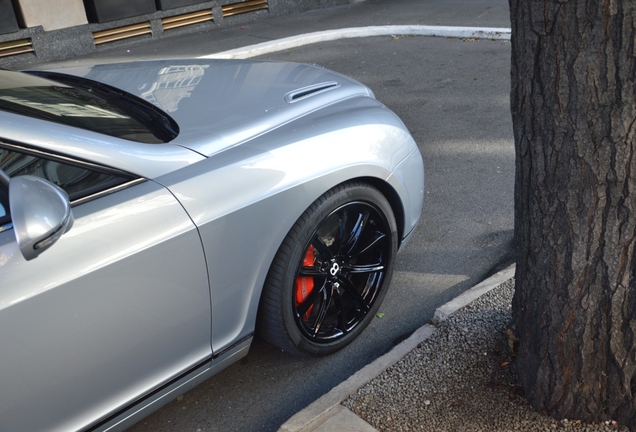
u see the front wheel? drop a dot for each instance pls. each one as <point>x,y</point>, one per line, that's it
<point>331,273</point>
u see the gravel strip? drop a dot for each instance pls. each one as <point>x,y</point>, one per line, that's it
<point>459,380</point>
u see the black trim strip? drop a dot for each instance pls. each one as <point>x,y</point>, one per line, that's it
<point>127,178</point>
<point>8,144</point>
<point>108,191</point>
<point>231,347</point>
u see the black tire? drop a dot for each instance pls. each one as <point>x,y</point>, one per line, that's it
<point>331,273</point>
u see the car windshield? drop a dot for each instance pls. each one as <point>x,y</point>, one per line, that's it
<point>84,104</point>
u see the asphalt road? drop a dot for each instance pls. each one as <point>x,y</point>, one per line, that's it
<point>454,96</point>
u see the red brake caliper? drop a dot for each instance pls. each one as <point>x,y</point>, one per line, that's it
<point>305,284</point>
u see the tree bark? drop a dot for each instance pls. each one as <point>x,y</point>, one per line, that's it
<point>573,100</point>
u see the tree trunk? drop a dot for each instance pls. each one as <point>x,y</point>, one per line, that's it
<point>573,101</point>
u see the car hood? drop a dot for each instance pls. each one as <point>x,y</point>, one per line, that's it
<point>220,103</point>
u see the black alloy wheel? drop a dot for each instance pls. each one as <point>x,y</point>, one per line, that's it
<point>331,272</point>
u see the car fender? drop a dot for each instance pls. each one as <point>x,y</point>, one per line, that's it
<point>246,199</point>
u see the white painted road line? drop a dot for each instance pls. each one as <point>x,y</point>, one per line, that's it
<point>356,32</point>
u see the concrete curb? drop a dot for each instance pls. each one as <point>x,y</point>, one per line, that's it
<point>356,32</point>
<point>328,406</point>
<point>443,312</point>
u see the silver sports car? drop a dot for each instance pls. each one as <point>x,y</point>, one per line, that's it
<point>156,216</point>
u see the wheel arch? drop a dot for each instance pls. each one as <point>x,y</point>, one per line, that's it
<point>392,197</point>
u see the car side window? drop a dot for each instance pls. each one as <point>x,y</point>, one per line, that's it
<point>78,181</point>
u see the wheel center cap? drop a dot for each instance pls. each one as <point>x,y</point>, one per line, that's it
<point>335,269</point>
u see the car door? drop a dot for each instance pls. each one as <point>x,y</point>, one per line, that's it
<point>117,307</point>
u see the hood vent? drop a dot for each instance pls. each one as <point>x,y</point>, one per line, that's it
<point>305,92</point>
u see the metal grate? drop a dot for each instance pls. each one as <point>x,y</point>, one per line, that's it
<point>119,33</point>
<point>16,47</point>
<point>187,19</point>
<point>244,7</point>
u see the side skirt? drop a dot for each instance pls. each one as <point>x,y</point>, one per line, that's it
<point>143,407</point>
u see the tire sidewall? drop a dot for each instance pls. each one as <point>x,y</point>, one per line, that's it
<point>306,227</point>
